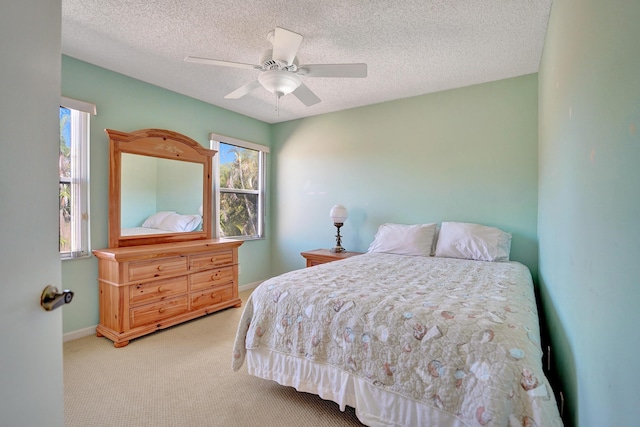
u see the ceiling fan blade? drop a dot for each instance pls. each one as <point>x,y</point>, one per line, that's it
<point>304,94</point>
<point>333,70</point>
<point>285,45</point>
<point>243,90</point>
<point>208,61</point>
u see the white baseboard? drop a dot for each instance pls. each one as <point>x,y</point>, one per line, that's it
<point>80,333</point>
<point>249,286</point>
<point>91,330</point>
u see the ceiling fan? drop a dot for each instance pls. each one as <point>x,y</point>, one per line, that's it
<point>279,69</point>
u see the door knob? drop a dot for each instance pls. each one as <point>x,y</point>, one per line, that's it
<point>52,299</point>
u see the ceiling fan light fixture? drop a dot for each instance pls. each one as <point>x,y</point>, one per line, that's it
<point>279,82</point>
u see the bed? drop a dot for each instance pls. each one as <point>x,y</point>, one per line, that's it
<point>407,339</point>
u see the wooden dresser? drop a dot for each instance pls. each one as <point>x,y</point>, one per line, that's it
<point>146,288</point>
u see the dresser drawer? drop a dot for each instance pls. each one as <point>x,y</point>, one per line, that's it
<point>143,293</point>
<point>211,278</point>
<point>212,296</point>
<point>212,259</point>
<point>152,313</point>
<point>157,268</point>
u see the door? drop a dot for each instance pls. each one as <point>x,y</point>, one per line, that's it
<point>31,391</point>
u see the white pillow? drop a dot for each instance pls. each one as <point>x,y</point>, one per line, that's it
<point>156,219</point>
<point>473,241</point>
<point>177,222</point>
<point>403,239</point>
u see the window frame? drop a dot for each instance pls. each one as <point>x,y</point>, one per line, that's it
<point>80,122</point>
<point>263,150</point>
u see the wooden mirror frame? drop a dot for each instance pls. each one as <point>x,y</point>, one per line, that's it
<point>163,144</point>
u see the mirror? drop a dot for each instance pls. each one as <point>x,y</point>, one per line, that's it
<point>159,188</point>
<point>149,185</point>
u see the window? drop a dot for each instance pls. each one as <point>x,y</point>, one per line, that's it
<point>74,178</point>
<point>240,187</point>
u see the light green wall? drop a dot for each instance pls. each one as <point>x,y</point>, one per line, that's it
<point>127,104</point>
<point>589,205</point>
<point>468,155</point>
<point>179,186</point>
<point>138,189</point>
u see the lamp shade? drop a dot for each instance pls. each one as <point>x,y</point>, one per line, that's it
<point>338,214</point>
<point>280,82</point>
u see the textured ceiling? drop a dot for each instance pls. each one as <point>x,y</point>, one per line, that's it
<point>412,47</point>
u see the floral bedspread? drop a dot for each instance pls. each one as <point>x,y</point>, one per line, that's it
<point>458,335</point>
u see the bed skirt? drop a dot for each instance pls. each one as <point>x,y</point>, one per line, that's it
<point>374,407</point>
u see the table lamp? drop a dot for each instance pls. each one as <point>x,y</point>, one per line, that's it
<point>338,215</point>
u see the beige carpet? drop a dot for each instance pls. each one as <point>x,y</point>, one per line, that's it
<point>182,377</point>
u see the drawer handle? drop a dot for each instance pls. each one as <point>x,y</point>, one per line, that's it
<point>161,289</point>
<point>160,267</point>
<point>213,259</point>
<point>161,310</point>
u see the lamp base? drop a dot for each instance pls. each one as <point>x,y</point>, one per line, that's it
<point>338,247</point>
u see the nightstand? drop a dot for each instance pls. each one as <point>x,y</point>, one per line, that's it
<point>322,256</point>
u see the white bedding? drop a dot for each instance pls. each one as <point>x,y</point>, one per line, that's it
<point>135,231</point>
<point>406,340</point>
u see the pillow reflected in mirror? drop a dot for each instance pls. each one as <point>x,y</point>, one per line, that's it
<point>177,222</point>
<point>156,219</point>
